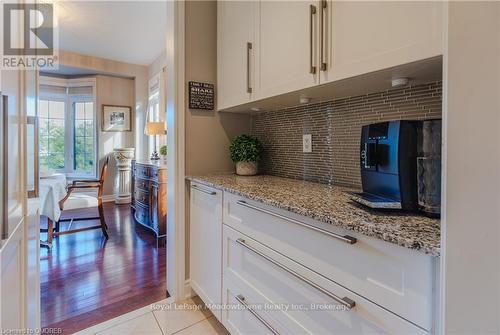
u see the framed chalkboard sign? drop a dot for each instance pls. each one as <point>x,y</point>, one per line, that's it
<point>201,96</point>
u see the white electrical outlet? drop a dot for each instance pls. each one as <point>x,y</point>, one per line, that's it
<point>307,143</point>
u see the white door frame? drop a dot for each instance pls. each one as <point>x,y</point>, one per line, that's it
<point>175,109</point>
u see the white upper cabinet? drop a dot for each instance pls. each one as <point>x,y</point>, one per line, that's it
<point>268,48</point>
<point>362,37</point>
<point>287,44</point>
<point>236,33</point>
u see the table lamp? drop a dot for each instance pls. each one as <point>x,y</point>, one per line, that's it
<point>154,129</point>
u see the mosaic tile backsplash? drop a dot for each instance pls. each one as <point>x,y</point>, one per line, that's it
<point>335,127</point>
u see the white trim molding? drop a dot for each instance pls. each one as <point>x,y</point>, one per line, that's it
<point>188,290</point>
<point>108,198</point>
<point>175,106</point>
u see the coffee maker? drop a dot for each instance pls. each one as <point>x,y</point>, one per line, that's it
<point>394,166</point>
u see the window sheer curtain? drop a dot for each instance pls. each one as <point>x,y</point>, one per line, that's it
<point>156,106</point>
<point>67,127</point>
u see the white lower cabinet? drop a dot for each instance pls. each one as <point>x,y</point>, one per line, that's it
<point>291,299</point>
<point>206,245</point>
<point>397,278</point>
<point>274,275</point>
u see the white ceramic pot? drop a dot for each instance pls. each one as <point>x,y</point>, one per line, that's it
<point>246,168</point>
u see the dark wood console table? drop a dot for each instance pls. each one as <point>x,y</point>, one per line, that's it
<point>149,196</point>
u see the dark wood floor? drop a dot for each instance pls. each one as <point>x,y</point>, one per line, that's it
<point>86,280</point>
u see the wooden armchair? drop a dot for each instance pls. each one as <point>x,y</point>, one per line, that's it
<point>80,200</point>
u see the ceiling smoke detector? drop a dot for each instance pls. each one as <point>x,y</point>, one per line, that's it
<point>399,82</point>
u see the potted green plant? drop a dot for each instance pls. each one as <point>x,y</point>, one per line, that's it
<point>245,151</point>
<point>163,152</point>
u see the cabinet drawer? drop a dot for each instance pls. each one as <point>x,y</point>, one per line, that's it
<point>242,320</point>
<point>301,300</point>
<point>142,184</point>
<point>141,214</point>
<point>141,196</point>
<point>159,175</point>
<point>143,171</point>
<point>399,279</point>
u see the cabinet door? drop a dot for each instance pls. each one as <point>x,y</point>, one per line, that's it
<point>14,243</point>
<point>362,37</point>
<point>206,244</point>
<point>235,52</point>
<point>288,41</point>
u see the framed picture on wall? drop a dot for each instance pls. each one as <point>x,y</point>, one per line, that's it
<point>116,118</point>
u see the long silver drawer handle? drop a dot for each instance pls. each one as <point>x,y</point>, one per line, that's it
<point>344,238</point>
<point>349,303</point>
<point>241,299</point>
<point>203,191</point>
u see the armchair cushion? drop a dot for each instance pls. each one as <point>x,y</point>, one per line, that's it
<point>80,200</point>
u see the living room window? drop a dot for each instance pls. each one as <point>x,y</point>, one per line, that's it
<point>84,137</point>
<point>156,103</point>
<point>51,122</point>
<point>67,127</point>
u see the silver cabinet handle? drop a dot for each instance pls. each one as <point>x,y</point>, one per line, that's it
<point>343,238</point>
<point>348,303</point>
<point>249,84</point>
<point>324,15</point>
<point>312,12</point>
<point>241,299</point>
<point>195,187</point>
<point>32,121</point>
<point>4,149</point>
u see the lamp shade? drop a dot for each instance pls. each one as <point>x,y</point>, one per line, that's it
<point>155,128</point>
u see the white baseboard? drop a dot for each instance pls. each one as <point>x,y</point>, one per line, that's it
<point>189,293</point>
<point>108,198</point>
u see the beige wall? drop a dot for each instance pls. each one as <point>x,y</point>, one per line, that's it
<point>128,92</point>
<point>471,219</point>
<point>119,92</point>
<point>208,133</point>
<point>113,68</point>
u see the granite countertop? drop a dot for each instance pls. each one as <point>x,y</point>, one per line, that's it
<point>333,205</point>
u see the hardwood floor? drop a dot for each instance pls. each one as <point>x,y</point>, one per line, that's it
<point>86,280</point>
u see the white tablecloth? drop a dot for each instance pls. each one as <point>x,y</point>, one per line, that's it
<point>52,190</point>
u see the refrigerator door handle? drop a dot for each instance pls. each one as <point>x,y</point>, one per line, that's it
<point>4,226</point>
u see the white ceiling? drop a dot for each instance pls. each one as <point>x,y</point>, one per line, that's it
<point>127,31</point>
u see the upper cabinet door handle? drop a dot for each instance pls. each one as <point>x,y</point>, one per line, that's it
<point>343,238</point>
<point>324,16</point>
<point>312,12</point>
<point>249,84</point>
